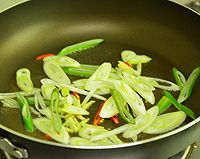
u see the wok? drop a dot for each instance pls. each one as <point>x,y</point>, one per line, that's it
<point>163,30</point>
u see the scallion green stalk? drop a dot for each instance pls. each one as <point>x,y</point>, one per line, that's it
<point>163,104</point>
<point>179,106</point>
<point>188,87</point>
<point>179,77</point>
<point>57,122</point>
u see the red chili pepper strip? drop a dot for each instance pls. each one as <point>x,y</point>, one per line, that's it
<point>115,119</point>
<point>47,137</point>
<point>128,64</point>
<point>75,94</point>
<point>97,118</point>
<point>40,57</point>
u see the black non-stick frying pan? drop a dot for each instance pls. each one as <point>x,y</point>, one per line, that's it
<point>163,30</point>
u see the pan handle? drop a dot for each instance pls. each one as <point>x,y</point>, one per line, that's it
<point>188,152</point>
<point>11,150</point>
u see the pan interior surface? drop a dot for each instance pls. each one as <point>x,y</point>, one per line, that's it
<point>164,31</point>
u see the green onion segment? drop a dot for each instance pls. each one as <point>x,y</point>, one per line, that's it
<point>179,77</point>
<point>23,78</point>
<point>188,87</point>
<point>179,106</point>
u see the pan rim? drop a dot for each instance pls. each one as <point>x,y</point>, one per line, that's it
<point>130,144</point>
<point>186,7</point>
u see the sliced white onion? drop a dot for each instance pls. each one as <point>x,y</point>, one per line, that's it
<point>140,86</point>
<point>87,131</point>
<point>102,73</point>
<point>47,90</point>
<point>107,134</point>
<point>23,78</point>
<point>166,85</point>
<point>109,109</point>
<point>10,103</point>
<point>80,83</point>
<point>45,125</point>
<point>131,97</point>
<point>79,141</point>
<point>80,91</point>
<point>166,122</point>
<point>75,110</point>
<point>55,72</point>
<point>141,122</point>
<point>63,61</point>
<point>23,93</point>
<point>124,67</point>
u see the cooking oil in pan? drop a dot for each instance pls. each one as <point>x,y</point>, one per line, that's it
<point>158,67</point>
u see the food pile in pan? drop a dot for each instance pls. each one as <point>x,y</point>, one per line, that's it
<point>60,108</point>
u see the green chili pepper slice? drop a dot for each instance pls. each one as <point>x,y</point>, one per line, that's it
<point>121,106</point>
<point>83,70</point>
<point>25,111</point>
<point>21,100</point>
<point>80,46</point>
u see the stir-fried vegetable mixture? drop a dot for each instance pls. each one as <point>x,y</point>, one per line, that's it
<point>60,107</point>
